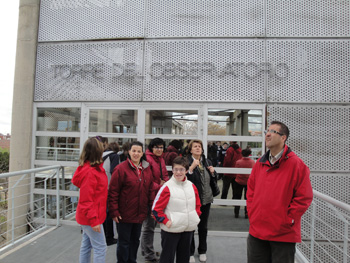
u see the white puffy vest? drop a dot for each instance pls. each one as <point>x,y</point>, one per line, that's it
<point>181,208</point>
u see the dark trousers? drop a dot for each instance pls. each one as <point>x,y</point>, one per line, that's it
<point>108,228</point>
<point>263,251</point>
<point>175,243</point>
<point>238,195</point>
<point>128,242</point>
<point>147,237</point>
<point>202,231</point>
<point>226,183</point>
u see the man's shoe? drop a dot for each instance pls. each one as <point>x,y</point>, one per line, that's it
<point>192,260</point>
<point>112,242</point>
<point>202,257</point>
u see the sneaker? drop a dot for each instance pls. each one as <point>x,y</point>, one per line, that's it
<point>192,260</point>
<point>202,257</point>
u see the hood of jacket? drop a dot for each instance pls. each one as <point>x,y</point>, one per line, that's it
<point>150,154</point>
<point>172,149</point>
<point>81,172</point>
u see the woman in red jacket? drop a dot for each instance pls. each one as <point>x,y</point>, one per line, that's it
<point>91,178</point>
<point>130,193</point>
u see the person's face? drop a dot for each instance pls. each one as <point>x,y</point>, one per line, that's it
<point>274,140</point>
<point>218,143</point>
<point>196,149</point>
<point>225,146</point>
<point>136,154</point>
<point>158,150</point>
<point>179,172</point>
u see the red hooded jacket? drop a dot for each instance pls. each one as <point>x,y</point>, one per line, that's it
<point>157,164</point>
<point>231,157</point>
<point>130,193</point>
<point>92,204</point>
<point>278,195</point>
<point>245,162</point>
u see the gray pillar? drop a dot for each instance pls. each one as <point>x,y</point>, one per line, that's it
<point>22,110</point>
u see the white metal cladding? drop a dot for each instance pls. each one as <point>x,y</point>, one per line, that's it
<point>205,18</point>
<point>318,71</point>
<point>87,72</point>
<point>62,20</point>
<point>318,134</point>
<point>204,80</point>
<point>305,18</point>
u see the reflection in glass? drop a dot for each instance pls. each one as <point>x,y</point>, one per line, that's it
<point>237,122</point>
<point>58,119</point>
<point>172,122</point>
<point>57,148</point>
<point>113,121</point>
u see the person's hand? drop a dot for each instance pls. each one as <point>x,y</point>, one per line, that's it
<point>116,219</point>
<point>97,228</point>
<point>211,169</point>
<point>162,182</point>
<point>168,224</point>
<point>194,165</point>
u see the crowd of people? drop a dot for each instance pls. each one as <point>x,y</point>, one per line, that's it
<point>133,188</point>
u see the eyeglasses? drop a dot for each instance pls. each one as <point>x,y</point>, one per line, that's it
<point>273,131</point>
<point>181,170</point>
<point>158,148</point>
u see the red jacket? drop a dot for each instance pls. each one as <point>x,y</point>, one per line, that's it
<point>130,193</point>
<point>169,156</point>
<point>231,157</point>
<point>245,162</point>
<point>278,195</point>
<point>92,204</point>
<point>157,164</point>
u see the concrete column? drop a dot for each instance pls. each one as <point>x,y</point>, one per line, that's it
<point>22,110</point>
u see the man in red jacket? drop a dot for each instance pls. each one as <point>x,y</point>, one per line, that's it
<point>279,193</point>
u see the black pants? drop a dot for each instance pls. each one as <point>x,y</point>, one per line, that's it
<point>175,243</point>
<point>108,228</point>
<point>202,231</point>
<point>128,242</point>
<point>263,251</point>
<point>238,195</point>
<point>226,183</point>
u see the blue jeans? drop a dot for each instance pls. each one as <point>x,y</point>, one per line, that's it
<point>128,242</point>
<point>95,240</point>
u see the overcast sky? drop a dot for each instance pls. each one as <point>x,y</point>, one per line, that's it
<point>8,29</point>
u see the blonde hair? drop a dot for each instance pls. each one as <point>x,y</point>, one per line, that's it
<point>92,152</point>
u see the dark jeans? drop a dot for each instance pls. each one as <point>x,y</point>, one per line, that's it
<point>238,195</point>
<point>128,242</point>
<point>202,231</point>
<point>263,251</point>
<point>226,183</point>
<point>175,243</point>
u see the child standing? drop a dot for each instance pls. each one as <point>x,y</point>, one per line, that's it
<point>91,178</point>
<point>177,208</point>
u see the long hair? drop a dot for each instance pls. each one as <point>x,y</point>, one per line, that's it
<point>92,152</point>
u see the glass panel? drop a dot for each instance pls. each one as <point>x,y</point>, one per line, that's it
<point>57,148</point>
<point>172,122</point>
<point>222,218</point>
<point>58,119</point>
<point>237,122</point>
<point>113,121</point>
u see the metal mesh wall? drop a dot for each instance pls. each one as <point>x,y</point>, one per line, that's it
<point>318,70</point>
<point>304,18</point>
<point>88,71</point>
<point>318,134</point>
<point>62,20</point>
<point>205,18</point>
<point>202,70</point>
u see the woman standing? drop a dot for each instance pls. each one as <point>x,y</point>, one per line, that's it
<point>202,174</point>
<point>129,196</point>
<point>154,155</point>
<point>91,178</point>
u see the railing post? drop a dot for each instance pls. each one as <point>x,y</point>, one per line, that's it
<point>45,202</point>
<point>63,197</point>
<point>312,232</point>
<point>58,196</point>
<point>346,234</point>
<point>13,215</point>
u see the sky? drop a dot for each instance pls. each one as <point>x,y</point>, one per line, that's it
<point>8,29</point>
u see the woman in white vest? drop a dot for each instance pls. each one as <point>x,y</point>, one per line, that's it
<point>177,209</point>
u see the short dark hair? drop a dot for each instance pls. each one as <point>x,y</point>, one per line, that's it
<point>104,139</point>
<point>246,152</point>
<point>191,144</point>
<point>113,146</point>
<point>283,128</point>
<point>180,160</point>
<point>155,142</point>
<point>137,143</point>
<point>235,146</point>
<point>92,152</point>
<point>176,144</point>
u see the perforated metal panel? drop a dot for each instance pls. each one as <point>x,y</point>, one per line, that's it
<point>194,18</point>
<point>318,71</point>
<point>91,19</point>
<point>319,135</point>
<point>88,71</point>
<point>193,70</point>
<point>305,18</point>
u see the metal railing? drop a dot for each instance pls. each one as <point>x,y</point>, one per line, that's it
<point>20,214</point>
<point>325,231</point>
